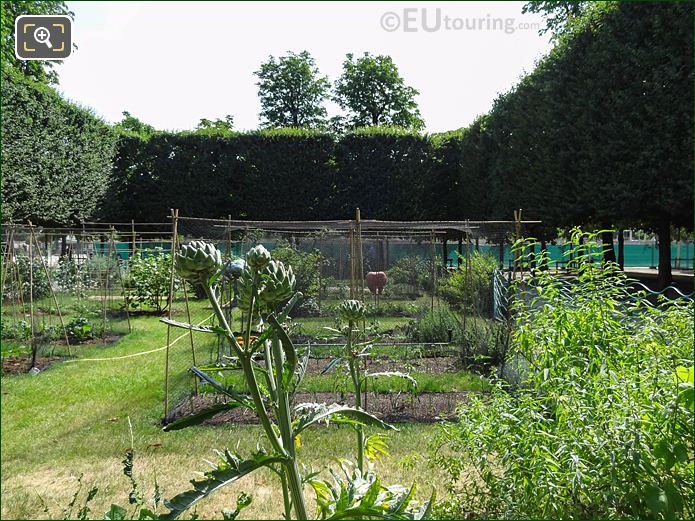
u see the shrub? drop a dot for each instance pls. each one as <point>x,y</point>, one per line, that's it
<point>413,272</point>
<point>147,279</point>
<point>80,329</point>
<point>602,425</point>
<point>306,266</point>
<point>434,325</point>
<point>470,290</point>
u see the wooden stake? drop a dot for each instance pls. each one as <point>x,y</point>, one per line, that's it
<point>31,302</point>
<point>174,235</point>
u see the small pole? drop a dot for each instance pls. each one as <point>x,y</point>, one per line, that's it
<point>31,301</point>
<point>360,266</point>
<point>174,228</point>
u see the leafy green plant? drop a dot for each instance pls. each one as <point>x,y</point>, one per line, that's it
<point>469,289</point>
<point>357,348</point>
<point>24,270</point>
<point>306,267</point>
<point>80,329</point>
<point>434,325</point>
<point>413,272</point>
<point>602,423</point>
<point>272,370</point>
<point>147,279</point>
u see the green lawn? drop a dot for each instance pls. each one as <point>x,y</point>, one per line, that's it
<point>72,420</point>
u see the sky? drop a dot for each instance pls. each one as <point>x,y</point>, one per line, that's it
<point>172,63</point>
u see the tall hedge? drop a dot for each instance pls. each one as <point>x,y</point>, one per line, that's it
<point>56,156</point>
<point>272,174</point>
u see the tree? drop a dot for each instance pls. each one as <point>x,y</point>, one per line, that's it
<point>557,13</point>
<point>40,70</point>
<point>374,93</point>
<point>292,91</point>
<point>131,124</point>
<point>217,127</point>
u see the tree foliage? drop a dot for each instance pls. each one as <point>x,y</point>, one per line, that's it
<point>373,92</point>
<point>292,91</point>
<point>56,156</point>
<point>39,70</point>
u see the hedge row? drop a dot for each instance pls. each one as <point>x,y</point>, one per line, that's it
<point>56,156</point>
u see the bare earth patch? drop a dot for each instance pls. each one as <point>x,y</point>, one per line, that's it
<point>391,407</point>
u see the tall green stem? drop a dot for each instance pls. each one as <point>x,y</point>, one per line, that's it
<point>355,375</point>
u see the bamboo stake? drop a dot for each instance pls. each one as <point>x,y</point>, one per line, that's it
<point>31,302</point>
<point>174,232</point>
<point>190,331</point>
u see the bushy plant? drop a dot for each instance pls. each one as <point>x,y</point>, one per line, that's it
<point>434,325</point>
<point>306,266</point>
<point>20,286</point>
<point>147,280</point>
<point>413,272</point>
<point>469,290</point>
<point>80,329</point>
<point>602,425</point>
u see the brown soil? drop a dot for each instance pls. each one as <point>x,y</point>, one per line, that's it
<point>107,340</point>
<point>22,364</point>
<point>390,407</point>
<point>432,365</point>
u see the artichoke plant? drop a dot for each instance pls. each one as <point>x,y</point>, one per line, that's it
<point>198,262</point>
<point>269,354</point>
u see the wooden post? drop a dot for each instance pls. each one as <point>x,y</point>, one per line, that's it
<point>445,252</point>
<point>174,235</point>
<point>31,302</point>
<point>459,250</point>
<point>360,266</point>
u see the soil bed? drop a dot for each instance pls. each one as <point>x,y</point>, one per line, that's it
<point>405,365</point>
<point>22,364</point>
<point>390,407</point>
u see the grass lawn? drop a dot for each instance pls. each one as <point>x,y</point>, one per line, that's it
<point>72,420</point>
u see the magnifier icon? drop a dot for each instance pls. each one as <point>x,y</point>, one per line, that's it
<point>42,35</point>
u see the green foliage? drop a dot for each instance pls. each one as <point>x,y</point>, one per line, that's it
<point>147,280</point>
<point>435,325</point>
<point>557,13</point>
<point>414,272</point>
<point>306,267</point>
<point>80,329</point>
<point>384,171</point>
<point>602,425</point>
<point>130,125</point>
<point>217,127</point>
<point>374,93</point>
<point>56,156</point>
<point>292,91</point>
<point>39,70</point>
<point>469,290</point>
<point>22,270</point>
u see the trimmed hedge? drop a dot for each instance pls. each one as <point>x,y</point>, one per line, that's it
<point>56,156</point>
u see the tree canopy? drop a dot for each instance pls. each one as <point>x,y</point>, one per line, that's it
<point>373,92</point>
<point>39,70</point>
<point>292,91</point>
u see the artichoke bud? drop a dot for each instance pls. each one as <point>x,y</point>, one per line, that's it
<point>351,310</point>
<point>198,261</point>
<point>244,290</point>
<point>258,257</point>
<point>234,268</point>
<point>279,283</point>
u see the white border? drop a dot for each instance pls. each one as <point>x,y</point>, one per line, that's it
<point>16,40</point>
